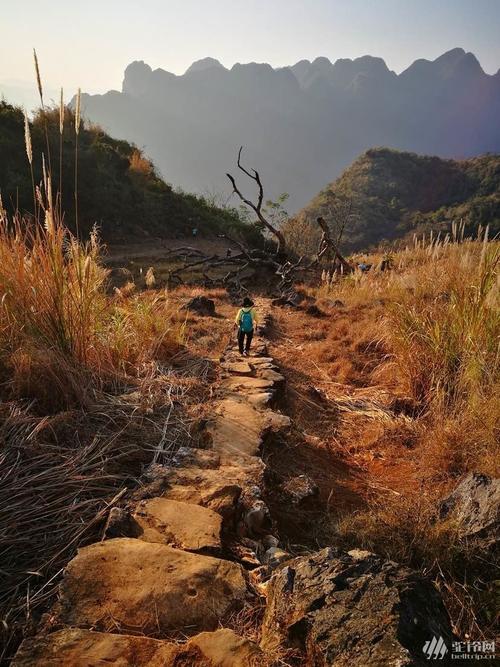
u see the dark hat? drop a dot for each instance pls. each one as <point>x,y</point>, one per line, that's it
<point>247,303</point>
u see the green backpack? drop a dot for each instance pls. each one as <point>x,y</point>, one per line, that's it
<point>246,321</point>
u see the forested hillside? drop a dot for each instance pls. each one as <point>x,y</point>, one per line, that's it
<point>395,194</point>
<point>118,187</point>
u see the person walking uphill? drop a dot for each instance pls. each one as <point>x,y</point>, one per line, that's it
<point>246,321</point>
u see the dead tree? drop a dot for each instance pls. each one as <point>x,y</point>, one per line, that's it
<point>278,262</point>
<point>328,247</point>
<point>257,208</point>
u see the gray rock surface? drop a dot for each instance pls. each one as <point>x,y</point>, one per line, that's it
<point>475,504</point>
<point>353,609</point>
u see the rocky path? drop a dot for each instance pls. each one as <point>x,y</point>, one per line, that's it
<point>196,545</point>
<point>176,562</point>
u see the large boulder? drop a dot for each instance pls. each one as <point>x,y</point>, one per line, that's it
<point>152,588</point>
<point>353,609</point>
<point>475,506</point>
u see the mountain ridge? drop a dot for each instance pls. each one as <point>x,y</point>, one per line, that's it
<point>301,124</point>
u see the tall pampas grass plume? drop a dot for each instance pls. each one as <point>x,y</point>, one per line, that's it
<point>61,131</point>
<point>40,92</point>
<point>29,153</point>
<point>77,132</point>
<point>61,112</point>
<point>78,111</point>
<point>27,138</point>
<point>38,78</point>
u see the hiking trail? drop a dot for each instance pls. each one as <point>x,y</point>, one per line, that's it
<point>196,547</point>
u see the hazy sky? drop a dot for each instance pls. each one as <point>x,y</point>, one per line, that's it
<point>88,44</point>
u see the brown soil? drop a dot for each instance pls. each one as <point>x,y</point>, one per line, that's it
<point>352,437</point>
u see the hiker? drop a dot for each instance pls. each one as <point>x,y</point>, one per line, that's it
<point>246,321</point>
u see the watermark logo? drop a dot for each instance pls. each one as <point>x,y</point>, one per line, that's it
<point>435,649</point>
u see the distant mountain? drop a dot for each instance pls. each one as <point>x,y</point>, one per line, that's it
<point>396,194</point>
<point>301,125</point>
<point>118,188</point>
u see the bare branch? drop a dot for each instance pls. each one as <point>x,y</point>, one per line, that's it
<point>327,245</point>
<point>257,208</point>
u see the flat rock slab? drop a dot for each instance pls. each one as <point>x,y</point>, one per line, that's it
<point>218,490</point>
<point>224,648</point>
<point>246,385</point>
<point>262,361</point>
<point>179,524</point>
<point>238,428</point>
<point>150,588</point>
<point>74,647</point>
<point>237,367</point>
<point>260,400</point>
<point>269,374</point>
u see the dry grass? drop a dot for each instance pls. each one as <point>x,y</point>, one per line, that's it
<point>62,335</point>
<point>96,384</point>
<point>409,360</point>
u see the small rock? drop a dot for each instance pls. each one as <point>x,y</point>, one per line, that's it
<point>257,519</point>
<point>119,523</point>
<point>276,422</point>
<point>200,305</point>
<point>475,504</point>
<point>336,303</point>
<point>269,541</point>
<point>246,552</point>
<point>269,374</point>
<point>299,488</point>
<point>275,556</point>
<point>314,311</point>
<point>196,458</point>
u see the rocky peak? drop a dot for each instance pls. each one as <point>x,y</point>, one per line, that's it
<point>204,64</point>
<point>136,78</point>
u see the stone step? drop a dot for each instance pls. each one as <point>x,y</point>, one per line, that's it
<point>179,524</point>
<point>246,385</point>
<point>74,647</point>
<point>129,585</point>
<point>237,429</point>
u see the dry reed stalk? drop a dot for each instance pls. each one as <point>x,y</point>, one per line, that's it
<point>29,153</point>
<point>77,133</point>
<point>61,131</point>
<point>44,113</point>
